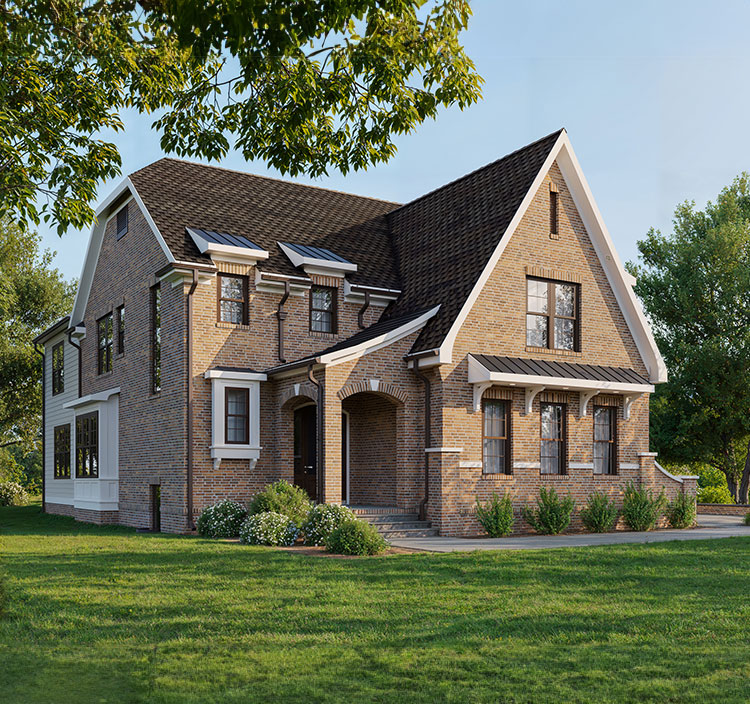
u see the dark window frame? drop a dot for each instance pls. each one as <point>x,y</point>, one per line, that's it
<point>334,309</point>
<point>120,321</point>
<point>61,456</point>
<point>246,393</point>
<point>58,373</point>
<point>507,468</point>
<point>87,445</point>
<point>122,222</point>
<point>554,213</point>
<point>563,439</point>
<point>612,467</point>
<point>245,301</point>
<point>551,314</point>
<point>104,352</point>
<point>155,381</point>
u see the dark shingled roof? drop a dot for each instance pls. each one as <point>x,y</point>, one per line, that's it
<point>433,249</point>
<point>562,370</point>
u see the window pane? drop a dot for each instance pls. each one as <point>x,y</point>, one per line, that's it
<point>602,424</point>
<point>231,312</point>
<point>322,299</point>
<point>232,287</point>
<point>537,296</point>
<point>494,459</point>
<point>565,300</point>
<point>564,334</point>
<point>551,421</point>
<point>236,428</point>
<point>536,331</point>
<point>236,402</point>
<point>321,321</point>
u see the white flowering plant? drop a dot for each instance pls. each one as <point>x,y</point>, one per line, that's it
<point>13,494</point>
<point>222,520</point>
<point>269,528</point>
<point>323,520</point>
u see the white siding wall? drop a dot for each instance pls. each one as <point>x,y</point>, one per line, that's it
<point>59,491</point>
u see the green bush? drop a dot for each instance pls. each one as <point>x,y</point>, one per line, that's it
<point>13,494</point>
<point>269,528</point>
<point>496,516</point>
<point>746,519</point>
<point>600,513</point>
<point>715,495</point>
<point>322,520</point>
<point>681,511</point>
<point>552,514</point>
<point>222,520</point>
<point>285,498</point>
<point>355,538</point>
<point>640,508</point>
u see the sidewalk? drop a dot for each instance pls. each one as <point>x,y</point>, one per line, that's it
<point>710,527</point>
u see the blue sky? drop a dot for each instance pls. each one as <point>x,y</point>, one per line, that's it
<point>653,95</point>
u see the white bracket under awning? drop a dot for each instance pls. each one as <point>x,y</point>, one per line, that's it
<point>628,401</point>
<point>585,397</point>
<point>531,393</point>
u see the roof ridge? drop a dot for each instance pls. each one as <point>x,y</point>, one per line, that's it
<point>267,178</point>
<point>477,170</point>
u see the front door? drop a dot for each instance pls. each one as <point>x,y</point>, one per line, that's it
<point>305,450</point>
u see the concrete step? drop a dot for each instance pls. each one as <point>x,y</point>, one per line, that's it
<point>389,518</point>
<point>409,533</point>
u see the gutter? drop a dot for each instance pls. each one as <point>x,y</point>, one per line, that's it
<point>362,311</point>
<point>44,425</point>
<point>427,439</point>
<point>281,316</point>
<point>190,401</point>
<point>319,470</point>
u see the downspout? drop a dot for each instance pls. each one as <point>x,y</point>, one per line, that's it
<point>190,400</point>
<point>80,365</point>
<point>321,442</point>
<point>363,310</point>
<point>44,424</point>
<point>281,315</point>
<point>427,438</point>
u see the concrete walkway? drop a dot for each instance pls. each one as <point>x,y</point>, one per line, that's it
<point>709,527</point>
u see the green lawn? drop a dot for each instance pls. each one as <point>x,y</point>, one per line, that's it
<point>106,615</point>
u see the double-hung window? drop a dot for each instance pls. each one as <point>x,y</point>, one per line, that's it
<point>87,446</point>
<point>605,440</point>
<point>323,309</point>
<point>233,299</point>
<point>104,344</point>
<point>496,437</point>
<point>62,452</point>
<point>58,368</point>
<point>236,425</point>
<point>552,314</point>
<point>553,439</point>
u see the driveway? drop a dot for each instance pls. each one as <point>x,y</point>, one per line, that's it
<point>709,527</point>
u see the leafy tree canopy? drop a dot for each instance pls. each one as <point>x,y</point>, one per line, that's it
<point>695,287</point>
<point>304,86</point>
<point>32,294</point>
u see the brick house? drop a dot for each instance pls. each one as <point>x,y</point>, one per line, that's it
<point>230,330</point>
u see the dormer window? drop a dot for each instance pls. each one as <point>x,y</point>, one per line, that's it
<point>323,309</point>
<point>552,314</point>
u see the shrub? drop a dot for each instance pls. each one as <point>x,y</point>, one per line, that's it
<point>355,538</point>
<point>715,495</point>
<point>600,513</point>
<point>13,494</point>
<point>284,498</point>
<point>552,514</point>
<point>269,528</point>
<point>496,517</point>
<point>222,520</point>
<point>641,508</point>
<point>322,520</point>
<point>681,512</point>
<point>746,519</point>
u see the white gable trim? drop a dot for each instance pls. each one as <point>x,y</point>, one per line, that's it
<point>619,279</point>
<point>96,238</point>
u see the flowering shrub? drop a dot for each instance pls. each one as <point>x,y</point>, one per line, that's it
<point>323,520</point>
<point>282,497</point>
<point>269,528</point>
<point>355,538</point>
<point>222,520</point>
<point>13,494</point>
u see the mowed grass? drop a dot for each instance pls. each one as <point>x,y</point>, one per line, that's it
<point>107,615</point>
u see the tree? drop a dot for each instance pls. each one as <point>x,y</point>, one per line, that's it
<point>32,295</point>
<point>695,287</point>
<point>305,86</point>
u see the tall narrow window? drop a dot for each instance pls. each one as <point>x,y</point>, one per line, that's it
<point>155,339</point>
<point>553,213</point>
<point>605,440</point>
<point>553,450</point>
<point>120,329</point>
<point>496,437</point>
<point>62,452</point>
<point>122,222</point>
<point>552,314</point>
<point>236,416</point>
<point>58,368</point>
<point>323,309</point>
<point>233,299</point>
<point>104,343</point>
<point>87,446</point>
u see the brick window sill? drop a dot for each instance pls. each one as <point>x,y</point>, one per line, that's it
<point>555,477</point>
<point>556,353</point>
<point>231,326</point>
<point>498,477</point>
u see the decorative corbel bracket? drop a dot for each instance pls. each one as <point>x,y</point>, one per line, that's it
<point>531,394</point>
<point>479,390</point>
<point>585,397</point>
<point>627,403</point>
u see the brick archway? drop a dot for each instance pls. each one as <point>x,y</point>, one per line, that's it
<point>373,386</point>
<point>304,390</point>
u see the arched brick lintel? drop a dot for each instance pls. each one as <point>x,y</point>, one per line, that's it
<point>373,386</point>
<point>299,390</point>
